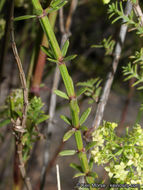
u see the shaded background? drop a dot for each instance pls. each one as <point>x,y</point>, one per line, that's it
<point>90,25</point>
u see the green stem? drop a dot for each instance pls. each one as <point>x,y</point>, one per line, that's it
<point>68,85</point>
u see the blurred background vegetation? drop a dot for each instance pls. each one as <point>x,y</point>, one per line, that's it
<point>90,26</point>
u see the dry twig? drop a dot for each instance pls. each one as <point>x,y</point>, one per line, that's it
<point>138,11</point>
<point>58,177</point>
<point>20,124</point>
<point>111,74</point>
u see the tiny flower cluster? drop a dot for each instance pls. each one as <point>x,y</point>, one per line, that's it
<point>123,156</point>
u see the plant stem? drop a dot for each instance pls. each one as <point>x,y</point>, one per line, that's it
<point>37,78</point>
<point>25,107</point>
<point>65,35</point>
<point>68,85</point>
<point>111,74</point>
<point>138,11</point>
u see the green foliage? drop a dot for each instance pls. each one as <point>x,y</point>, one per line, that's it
<point>91,89</point>
<point>56,5</point>
<point>76,167</point>
<point>67,152</point>
<point>124,155</point>
<point>24,17</point>
<point>116,9</point>
<point>84,116</point>
<point>61,94</point>
<point>107,44</point>
<point>47,51</point>
<point>66,119</point>
<point>35,115</point>
<point>135,69</point>
<point>106,1</point>
<point>65,48</point>
<point>68,134</point>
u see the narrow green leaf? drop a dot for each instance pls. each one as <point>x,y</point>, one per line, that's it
<point>81,91</point>
<point>66,119</point>
<point>96,46</point>
<point>47,51</point>
<point>93,174</point>
<point>84,116</point>
<point>86,84</point>
<point>65,48</point>
<point>76,167</point>
<point>119,152</point>
<point>25,17</point>
<point>61,5</point>
<point>79,141</point>
<point>42,118</point>
<point>67,152</point>
<point>140,88</point>
<point>90,145</point>
<point>79,175</point>
<point>4,122</point>
<point>68,135</point>
<point>91,163</point>
<point>61,94</point>
<point>52,60</point>
<point>69,58</point>
<point>83,128</point>
<point>67,80</point>
<point>90,180</point>
<point>55,3</point>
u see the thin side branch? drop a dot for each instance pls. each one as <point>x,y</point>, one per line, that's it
<point>138,11</point>
<point>20,123</point>
<point>22,77</point>
<point>111,74</point>
<point>58,177</point>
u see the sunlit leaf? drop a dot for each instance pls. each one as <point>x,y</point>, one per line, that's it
<point>66,119</point>
<point>84,116</point>
<point>90,145</point>
<point>79,175</point>
<point>42,118</point>
<point>67,152</point>
<point>52,60</point>
<point>76,167</point>
<point>47,51</point>
<point>61,94</point>
<point>81,91</point>
<point>25,17</point>
<point>65,48</point>
<point>69,58</point>
<point>68,135</point>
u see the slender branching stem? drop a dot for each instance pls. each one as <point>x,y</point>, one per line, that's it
<point>74,109</point>
<point>111,74</point>
<point>21,122</point>
<point>138,11</point>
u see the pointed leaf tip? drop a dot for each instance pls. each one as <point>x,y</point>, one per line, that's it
<point>67,152</point>
<point>65,48</point>
<point>25,17</point>
<point>61,94</point>
<point>66,119</point>
<point>68,135</point>
<point>85,116</point>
